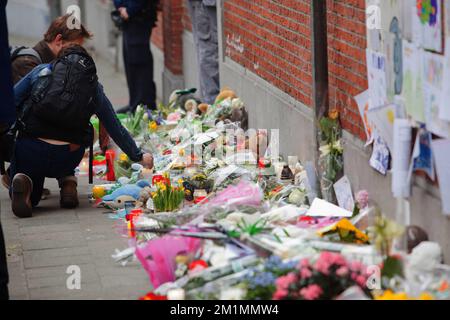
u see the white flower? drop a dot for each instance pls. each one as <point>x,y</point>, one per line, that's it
<point>139,109</point>
<point>232,294</point>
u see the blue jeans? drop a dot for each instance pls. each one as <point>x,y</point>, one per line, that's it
<point>39,160</point>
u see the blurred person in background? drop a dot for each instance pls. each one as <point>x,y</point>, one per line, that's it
<point>7,117</point>
<point>204,27</point>
<point>24,60</point>
<point>139,18</point>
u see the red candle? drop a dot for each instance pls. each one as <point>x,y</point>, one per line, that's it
<point>110,156</point>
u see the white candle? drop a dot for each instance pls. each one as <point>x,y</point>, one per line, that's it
<point>176,294</point>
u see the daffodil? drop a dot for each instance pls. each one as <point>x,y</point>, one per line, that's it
<point>123,157</point>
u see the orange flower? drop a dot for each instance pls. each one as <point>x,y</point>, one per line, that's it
<point>333,114</point>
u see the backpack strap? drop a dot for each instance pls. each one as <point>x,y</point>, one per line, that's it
<point>24,51</point>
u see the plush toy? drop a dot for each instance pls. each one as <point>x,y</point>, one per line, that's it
<point>224,94</point>
<point>184,99</point>
<point>128,192</point>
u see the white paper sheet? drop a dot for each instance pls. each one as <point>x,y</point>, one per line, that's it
<point>322,208</point>
<point>412,92</point>
<point>376,71</point>
<point>433,70</point>
<point>441,152</point>
<point>344,195</point>
<point>444,105</point>
<point>382,119</point>
<point>401,157</point>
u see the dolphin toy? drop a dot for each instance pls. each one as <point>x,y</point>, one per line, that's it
<point>128,192</point>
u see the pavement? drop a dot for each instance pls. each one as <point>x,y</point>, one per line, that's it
<point>42,250</point>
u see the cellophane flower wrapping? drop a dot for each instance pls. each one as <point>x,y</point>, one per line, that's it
<point>158,256</point>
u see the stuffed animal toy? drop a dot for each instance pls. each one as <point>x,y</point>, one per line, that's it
<point>128,192</point>
<point>225,93</point>
<point>184,99</point>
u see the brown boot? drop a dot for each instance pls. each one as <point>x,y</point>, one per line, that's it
<point>21,196</point>
<point>68,193</point>
<point>6,183</point>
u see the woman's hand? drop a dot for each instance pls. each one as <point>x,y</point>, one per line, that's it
<point>147,160</point>
<point>123,13</point>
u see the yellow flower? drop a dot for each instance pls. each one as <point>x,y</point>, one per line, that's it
<point>180,182</point>
<point>98,192</point>
<point>426,296</point>
<point>123,157</point>
<point>181,153</point>
<point>344,226</point>
<point>390,295</point>
<point>153,126</point>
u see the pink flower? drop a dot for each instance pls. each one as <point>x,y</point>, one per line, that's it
<point>361,281</point>
<point>362,199</point>
<point>280,294</point>
<point>342,271</point>
<point>356,266</point>
<point>304,263</point>
<point>285,281</point>
<point>174,116</point>
<point>328,259</point>
<point>311,292</point>
<point>305,273</point>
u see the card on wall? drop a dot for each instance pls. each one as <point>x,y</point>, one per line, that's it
<point>412,92</point>
<point>427,25</point>
<point>433,71</point>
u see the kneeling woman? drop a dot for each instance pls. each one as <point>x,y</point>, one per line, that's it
<point>57,101</point>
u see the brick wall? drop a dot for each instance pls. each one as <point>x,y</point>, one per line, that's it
<point>173,12</point>
<point>346,32</point>
<point>272,38</point>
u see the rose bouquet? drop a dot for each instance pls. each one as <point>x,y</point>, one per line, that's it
<point>167,197</point>
<point>325,279</point>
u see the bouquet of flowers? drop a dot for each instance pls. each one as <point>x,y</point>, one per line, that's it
<point>325,279</point>
<point>167,198</point>
<point>331,153</point>
<point>260,283</point>
<point>134,122</point>
<point>122,166</point>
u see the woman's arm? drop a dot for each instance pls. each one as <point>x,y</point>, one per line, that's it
<point>118,133</point>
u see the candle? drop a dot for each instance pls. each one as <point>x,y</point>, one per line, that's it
<point>110,155</point>
<point>176,294</point>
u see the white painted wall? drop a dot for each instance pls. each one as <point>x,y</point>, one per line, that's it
<point>28,19</point>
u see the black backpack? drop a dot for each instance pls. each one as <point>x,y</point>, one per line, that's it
<point>67,102</point>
